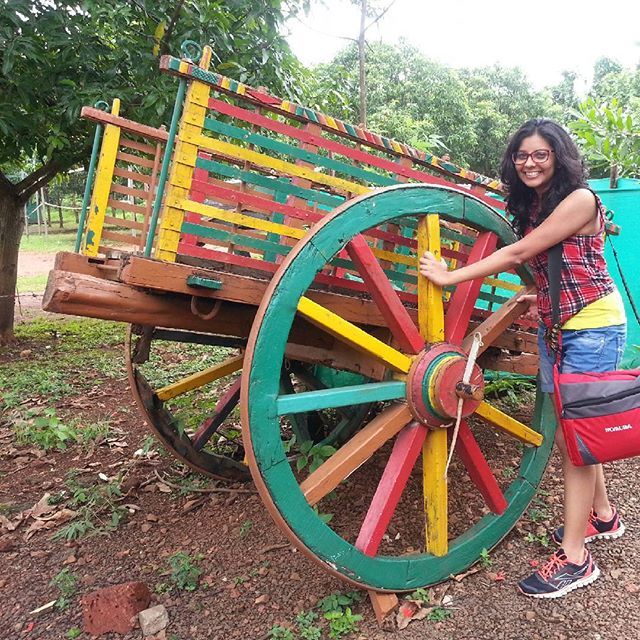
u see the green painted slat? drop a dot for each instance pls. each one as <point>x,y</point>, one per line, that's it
<point>270,256</point>
<point>276,185</point>
<point>339,397</point>
<point>264,142</point>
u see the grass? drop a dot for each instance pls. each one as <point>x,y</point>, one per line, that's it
<point>53,242</point>
<point>32,284</point>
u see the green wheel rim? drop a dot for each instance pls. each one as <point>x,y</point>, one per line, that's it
<point>270,468</point>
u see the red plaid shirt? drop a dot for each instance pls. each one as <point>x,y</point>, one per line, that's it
<point>584,278</point>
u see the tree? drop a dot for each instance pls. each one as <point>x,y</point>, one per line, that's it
<point>609,137</point>
<point>58,55</point>
<point>408,96</point>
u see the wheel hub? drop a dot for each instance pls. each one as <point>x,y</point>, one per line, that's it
<point>433,385</point>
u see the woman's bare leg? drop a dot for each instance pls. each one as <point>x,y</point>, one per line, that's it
<point>601,504</point>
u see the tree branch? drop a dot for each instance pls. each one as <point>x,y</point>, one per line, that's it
<point>164,43</point>
<point>7,185</point>
<point>381,15</point>
<point>34,181</point>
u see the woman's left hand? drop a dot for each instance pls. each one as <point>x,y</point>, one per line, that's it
<point>435,270</point>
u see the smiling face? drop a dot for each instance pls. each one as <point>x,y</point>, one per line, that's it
<point>534,173</point>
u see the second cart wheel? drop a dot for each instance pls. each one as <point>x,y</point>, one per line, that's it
<point>397,523</point>
<point>171,374</point>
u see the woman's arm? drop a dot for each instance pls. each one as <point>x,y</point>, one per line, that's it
<point>575,212</point>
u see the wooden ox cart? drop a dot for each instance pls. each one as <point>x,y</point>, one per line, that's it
<point>259,225</point>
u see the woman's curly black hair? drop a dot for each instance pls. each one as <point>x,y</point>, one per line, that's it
<point>570,173</point>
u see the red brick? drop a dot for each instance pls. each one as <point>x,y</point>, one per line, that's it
<point>114,608</point>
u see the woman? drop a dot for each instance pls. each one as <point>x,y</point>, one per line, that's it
<point>550,202</point>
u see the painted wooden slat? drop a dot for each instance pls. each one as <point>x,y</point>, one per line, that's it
<point>478,469</point>
<point>353,153</point>
<point>355,452</point>
<point>464,297</point>
<point>281,166</point>
<point>339,397</point>
<point>434,450</point>
<point>353,335</point>
<point>136,161</point>
<point>506,423</point>
<point>406,450</point>
<point>102,186</point>
<point>197,380</point>
<point>400,323</point>
<point>265,142</point>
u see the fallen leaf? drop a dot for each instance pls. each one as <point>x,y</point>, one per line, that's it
<point>42,507</point>
<point>164,488</point>
<point>462,576</point>
<point>62,516</point>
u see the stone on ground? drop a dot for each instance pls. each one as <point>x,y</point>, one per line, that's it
<point>153,620</point>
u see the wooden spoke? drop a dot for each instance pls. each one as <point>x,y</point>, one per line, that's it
<point>479,470</point>
<point>400,323</point>
<point>498,322</point>
<point>434,451</point>
<point>353,335</point>
<point>351,455</point>
<point>197,380</point>
<point>509,425</point>
<point>405,452</point>
<point>464,297</point>
<point>339,397</point>
<point>223,408</point>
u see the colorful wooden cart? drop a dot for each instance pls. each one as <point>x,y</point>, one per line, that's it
<point>293,237</point>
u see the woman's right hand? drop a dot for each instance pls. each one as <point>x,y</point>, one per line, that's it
<point>532,300</point>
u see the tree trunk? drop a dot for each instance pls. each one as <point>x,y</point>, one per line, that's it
<point>11,227</point>
<point>362,64</point>
<point>613,177</point>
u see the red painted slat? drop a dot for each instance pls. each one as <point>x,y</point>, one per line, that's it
<point>385,296</point>
<point>403,457</point>
<point>270,267</point>
<point>479,470</point>
<point>348,152</point>
<point>464,298</point>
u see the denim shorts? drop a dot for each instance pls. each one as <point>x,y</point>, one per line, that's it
<point>598,349</point>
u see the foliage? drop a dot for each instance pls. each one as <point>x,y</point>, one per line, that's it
<point>280,633</point>
<point>438,614</point>
<point>307,630</point>
<point>185,574</point>
<point>96,506</point>
<point>337,600</point>
<point>485,559</point>
<point>542,539</point>
<point>45,430</point>
<point>65,582</point>
<point>313,455</point>
<point>245,528</point>
<point>609,135</point>
<point>513,390</point>
<point>337,610</point>
<point>73,633</point>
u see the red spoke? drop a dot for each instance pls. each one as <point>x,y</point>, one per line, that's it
<point>406,450</point>
<point>464,297</point>
<point>223,408</point>
<point>385,296</point>
<point>479,470</point>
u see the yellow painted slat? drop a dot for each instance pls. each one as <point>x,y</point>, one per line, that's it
<point>262,160</point>
<point>434,450</point>
<point>102,185</point>
<point>238,218</point>
<point>509,425</point>
<point>201,378</point>
<point>353,335</point>
<point>502,284</point>
<point>181,174</point>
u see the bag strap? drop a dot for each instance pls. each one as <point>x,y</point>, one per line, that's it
<point>624,280</point>
<point>553,335</point>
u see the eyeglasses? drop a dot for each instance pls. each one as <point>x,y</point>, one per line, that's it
<point>539,155</point>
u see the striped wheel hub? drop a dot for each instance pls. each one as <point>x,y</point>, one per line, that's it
<point>431,385</point>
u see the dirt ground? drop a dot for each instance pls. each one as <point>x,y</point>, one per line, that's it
<point>252,578</point>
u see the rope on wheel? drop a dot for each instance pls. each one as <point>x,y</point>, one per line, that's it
<point>466,377</point>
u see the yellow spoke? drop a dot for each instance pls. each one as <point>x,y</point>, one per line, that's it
<point>434,450</point>
<point>509,425</point>
<point>201,378</point>
<point>354,336</point>
<point>434,462</point>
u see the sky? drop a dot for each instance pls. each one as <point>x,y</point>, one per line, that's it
<point>542,37</point>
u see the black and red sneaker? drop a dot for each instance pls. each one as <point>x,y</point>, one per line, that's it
<point>597,529</point>
<point>559,576</point>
